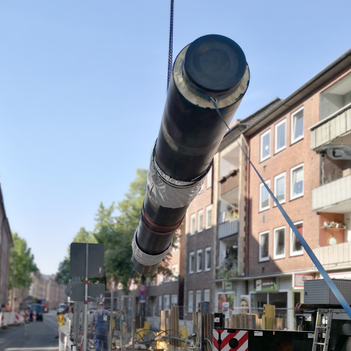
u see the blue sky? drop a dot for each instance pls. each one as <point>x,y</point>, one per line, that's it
<point>83,86</point>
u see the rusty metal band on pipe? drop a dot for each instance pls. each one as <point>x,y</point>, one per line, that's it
<point>212,66</point>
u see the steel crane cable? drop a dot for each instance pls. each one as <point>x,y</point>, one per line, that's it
<point>170,44</point>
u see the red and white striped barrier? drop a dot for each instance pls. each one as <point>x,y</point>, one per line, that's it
<point>17,318</point>
<point>238,340</point>
<point>34,315</point>
<point>1,319</point>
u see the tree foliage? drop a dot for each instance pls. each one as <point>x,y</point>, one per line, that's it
<point>63,276</point>
<point>116,233</point>
<point>21,263</point>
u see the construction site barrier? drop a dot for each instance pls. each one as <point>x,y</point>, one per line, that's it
<point>11,318</point>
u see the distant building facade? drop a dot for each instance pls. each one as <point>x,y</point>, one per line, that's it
<point>45,287</point>
<point>6,243</point>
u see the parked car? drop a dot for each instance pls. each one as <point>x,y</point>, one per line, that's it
<point>61,309</point>
<point>39,310</point>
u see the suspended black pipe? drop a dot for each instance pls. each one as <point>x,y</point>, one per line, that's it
<point>213,67</point>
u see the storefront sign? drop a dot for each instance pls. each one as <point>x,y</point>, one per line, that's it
<point>265,284</point>
<point>228,286</point>
<point>299,279</point>
<point>339,275</point>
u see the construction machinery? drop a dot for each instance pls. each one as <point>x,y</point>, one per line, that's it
<point>321,325</point>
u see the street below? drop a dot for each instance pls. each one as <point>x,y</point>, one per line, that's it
<point>33,336</point>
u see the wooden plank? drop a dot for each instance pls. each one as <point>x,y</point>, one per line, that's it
<point>171,327</point>
<point>175,314</point>
<point>163,321</point>
<point>251,321</point>
<point>199,329</point>
<point>195,322</point>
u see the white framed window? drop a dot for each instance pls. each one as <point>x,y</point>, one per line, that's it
<point>191,262</point>
<point>297,125</point>
<point>198,260</point>
<point>166,305</point>
<point>263,246</point>
<point>279,243</point>
<point>264,196</point>
<point>174,299</point>
<point>200,221</point>
<point>208,217</point>
<point>266,145</point>
<point>209,179</point>
<point>192,224</point>
<point>207,295</point>
<point>190,300</point>
<point>175,272</point>
<point>280,136</point>
<point>295,245</point>
<point>279,187</point>
<point>207,259</point>
<point>197,299</point>
<point>166,279</point>
<point>160,303</point>
<point>296,181</point>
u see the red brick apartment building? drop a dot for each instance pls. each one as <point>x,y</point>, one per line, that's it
<point>302,149</point>
<point>199,241</point>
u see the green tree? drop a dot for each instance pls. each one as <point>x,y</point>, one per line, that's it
<point>21,263</point>
<point>83,236</point>
<point>62,276</point>
<point>116,233</point>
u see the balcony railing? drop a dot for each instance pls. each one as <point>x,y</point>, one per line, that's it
<point>335,255</point>
<point>331,128</point>
<point>228,228</point>
<point>331,194</point>
<point>229,182</point>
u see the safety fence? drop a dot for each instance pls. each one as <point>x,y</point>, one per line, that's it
<point>13,318</point>
<point>120,324</point>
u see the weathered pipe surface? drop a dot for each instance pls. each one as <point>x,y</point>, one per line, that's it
<point>212,67</point>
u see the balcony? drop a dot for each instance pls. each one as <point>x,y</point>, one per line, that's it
<point>334,127</point>
<point>335,255</point>
<point>229,182</point>
<point>228,228</point>
<point>229,267</point>
<point>333,197</point>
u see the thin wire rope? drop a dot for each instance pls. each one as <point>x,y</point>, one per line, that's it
<point>170,44</point>
<point>301,239</point>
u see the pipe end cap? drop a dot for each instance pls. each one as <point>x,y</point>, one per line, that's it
<point>215,63</point>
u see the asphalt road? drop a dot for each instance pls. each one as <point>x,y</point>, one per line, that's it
<point>34,336</point>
